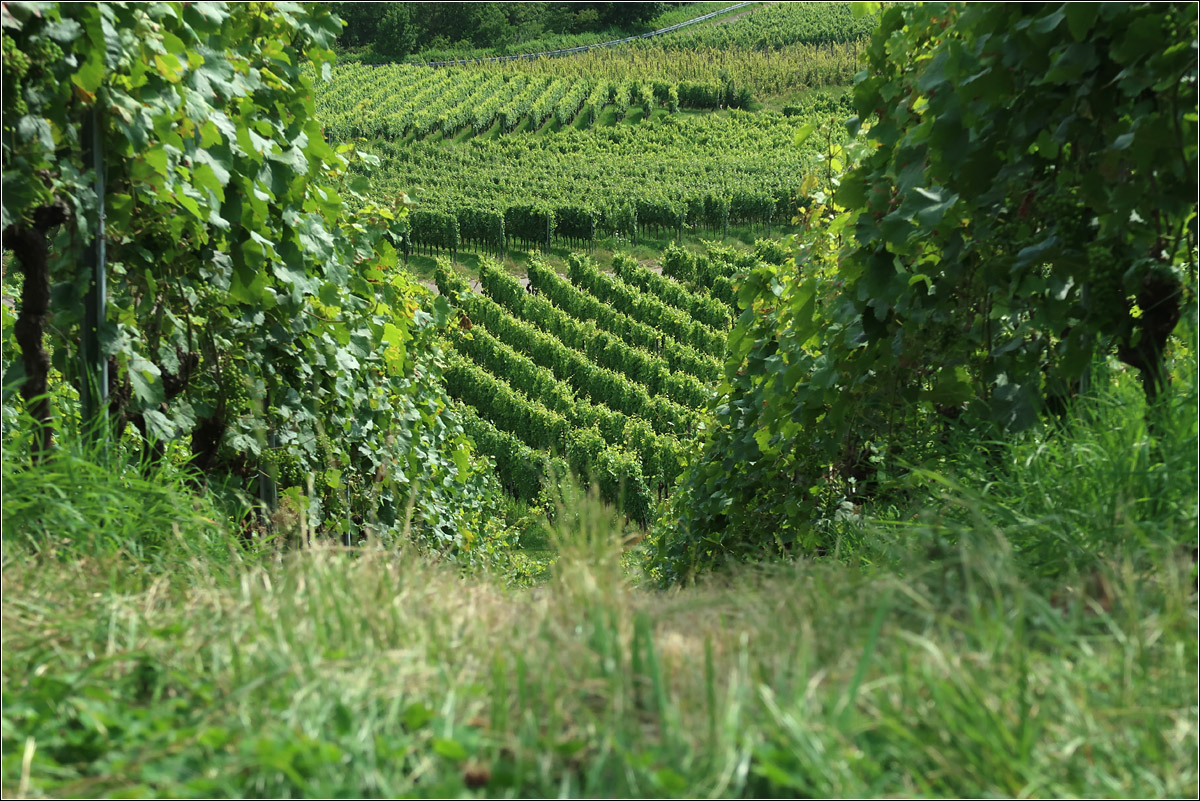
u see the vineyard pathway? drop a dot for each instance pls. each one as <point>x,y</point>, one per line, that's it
<point>740,14</point>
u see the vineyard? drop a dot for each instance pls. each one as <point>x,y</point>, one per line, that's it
<point>777,27</point>
<point>696,175</point>
<point>605,375</point>
<point>798,403</point>
<point>777,50</point>
<point>602,374</point>
<point>414,102</point>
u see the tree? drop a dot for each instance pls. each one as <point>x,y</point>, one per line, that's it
<point>1023,204</point>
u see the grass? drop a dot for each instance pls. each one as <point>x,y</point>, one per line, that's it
<point>331,674</point>
<point>944,657</point>
<point>1022,622</point>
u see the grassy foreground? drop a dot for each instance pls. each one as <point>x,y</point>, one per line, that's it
<point>151,654</point>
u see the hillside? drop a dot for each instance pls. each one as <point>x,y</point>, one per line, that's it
<point>800,403</point>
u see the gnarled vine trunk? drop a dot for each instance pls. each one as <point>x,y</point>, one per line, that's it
<point>1160,298</point>
<point>31,247</point>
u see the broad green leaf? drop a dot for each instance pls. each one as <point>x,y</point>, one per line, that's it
<point>1080,19</point>
<point>416,716</point>
<point>158,160</point>
<point>32,128</point>
<point>91,73</point>
<point>803,133</point>
<point>462,462</point>
<point>1049,22</point>
<point>145,378</point>
<point>169,67</point>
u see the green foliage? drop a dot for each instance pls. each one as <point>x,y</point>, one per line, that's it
<point>99,501</point>
<point>645,308</point>
<point>433,231</point>
<point>441,31</point>
<point>700,307</point>
<point>1056,233</point>
<point>697,173</point>
<point>1022,205</point>
<point>250,314</point>
<point>330,675</point>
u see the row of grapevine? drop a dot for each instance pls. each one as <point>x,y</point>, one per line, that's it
<point>702,307</point>
<point>531,475</point>
<point>658,454</point>
<point>621,99</point>
<point>715,271</point>
<point>518,107</point>
<point>646,308</point>
<point>537,426</point>
<point>696,173</point>
<point>490,231</point>
<point>604,349</point>
<point>524,471</point>
<point>529,224</point>
<point>540,225</point>
<point>598,384</point>
<point>682,359</point>
<point>575,224</point>
<point>715,76</point>
<point>596,100</point>
<point>543,108</point>
<point>571,102</point>
<point>615,471</point>
<point>432,231</point>
<point>480,229</point>
<point>685,268</point>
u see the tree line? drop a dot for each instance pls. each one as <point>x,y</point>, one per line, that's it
<point>393,31</point>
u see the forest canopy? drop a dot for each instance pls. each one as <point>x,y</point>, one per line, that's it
<point>396,30</point>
